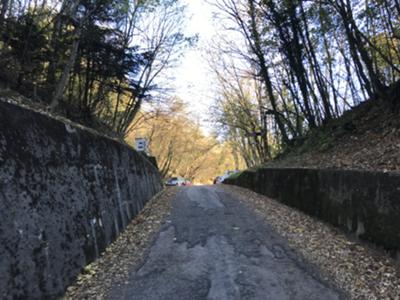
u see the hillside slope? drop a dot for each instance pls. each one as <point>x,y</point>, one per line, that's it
<point>366,138</point>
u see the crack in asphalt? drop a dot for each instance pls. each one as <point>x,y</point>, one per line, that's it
<point>216,248</point>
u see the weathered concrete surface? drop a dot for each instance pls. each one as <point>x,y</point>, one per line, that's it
<point>216,248</point>
<point>65,193</point>
<point>365,203</point>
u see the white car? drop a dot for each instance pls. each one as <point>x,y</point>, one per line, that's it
<point>221,179</point>
<point>176,181</point>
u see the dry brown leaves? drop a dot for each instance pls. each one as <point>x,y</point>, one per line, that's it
<point>125,253</point>
<point>373,145</point>
<point>360,271</point>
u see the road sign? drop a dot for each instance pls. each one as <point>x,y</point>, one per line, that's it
<point>142,145</point>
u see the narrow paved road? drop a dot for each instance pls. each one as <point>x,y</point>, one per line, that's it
<point>213,247</point>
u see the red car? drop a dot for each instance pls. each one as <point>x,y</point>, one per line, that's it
<point>187,183</point>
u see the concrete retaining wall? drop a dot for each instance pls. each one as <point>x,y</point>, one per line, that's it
<point>365,203</point>
<point>65,194</point>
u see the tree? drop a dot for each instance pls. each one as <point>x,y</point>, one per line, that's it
<point>161,43</point>
<point>313,60</point>
<point>94,61</point>
<point>180,146</point>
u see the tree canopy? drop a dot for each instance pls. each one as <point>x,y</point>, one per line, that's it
<point>94,61</point>
<point>307,62</point>
<point>182,148</point>
<point>282,68</point>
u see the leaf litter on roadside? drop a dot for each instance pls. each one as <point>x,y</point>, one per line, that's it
<point>356,268</point>
<point>125,253</point>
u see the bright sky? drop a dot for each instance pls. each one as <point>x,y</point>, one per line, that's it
<point>193,80</point>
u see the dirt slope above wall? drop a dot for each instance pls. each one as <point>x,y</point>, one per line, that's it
<point>364,138</point>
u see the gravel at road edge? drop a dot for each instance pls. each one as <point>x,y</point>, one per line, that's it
<point>126,252</point>
<point>359,270</point>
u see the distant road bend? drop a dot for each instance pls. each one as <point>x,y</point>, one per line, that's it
<point>213,247</point>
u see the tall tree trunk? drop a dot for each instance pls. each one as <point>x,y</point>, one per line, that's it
<point>354,35</point>
<point>314,65</point>
<point>264,71</point>
<point>59,90</point>
<point>54,55</point>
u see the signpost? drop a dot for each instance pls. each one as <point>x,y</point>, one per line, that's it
<point>142,145</point>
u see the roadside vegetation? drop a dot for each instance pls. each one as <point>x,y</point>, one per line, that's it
<point>284,72</point>
<point>286,68</point>
<point>181,147</point>
<point>95,62</point>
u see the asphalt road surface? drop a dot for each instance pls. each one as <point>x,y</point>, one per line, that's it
<point>214,247</point>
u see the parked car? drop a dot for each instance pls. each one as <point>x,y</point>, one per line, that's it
<point>220,179</point>
<point>187,182</point>
<point>176,181</point>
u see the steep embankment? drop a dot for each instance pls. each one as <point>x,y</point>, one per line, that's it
<point>364,138</point>
<point>66,192</point>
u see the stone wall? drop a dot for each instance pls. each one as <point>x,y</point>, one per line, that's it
<point>65,193</point>
<point>364,203</point>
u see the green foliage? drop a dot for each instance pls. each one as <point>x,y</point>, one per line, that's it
<point>94,61</point>
<point>26,45</point>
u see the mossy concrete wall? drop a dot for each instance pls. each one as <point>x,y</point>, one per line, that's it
<point>364,203</point>
<point>65,194</point>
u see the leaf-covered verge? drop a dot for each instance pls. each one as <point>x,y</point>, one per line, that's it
<point>356,268</point>
<point>365,138</point>
<point>127,252</point>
